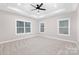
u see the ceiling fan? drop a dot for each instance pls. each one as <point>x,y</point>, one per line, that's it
<point>38,7</point>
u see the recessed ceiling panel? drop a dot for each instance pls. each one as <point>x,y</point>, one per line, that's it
<point>28,10</point>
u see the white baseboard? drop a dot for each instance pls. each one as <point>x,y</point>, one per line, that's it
<point>38,35</point>
<point>72,41</point>
<point>17,39</point>
<point>77,43</point>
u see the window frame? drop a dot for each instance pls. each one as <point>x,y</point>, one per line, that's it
<point>24,27</point>
<point>40,27</point>
<point>28,27</point>
<point>62,19</point>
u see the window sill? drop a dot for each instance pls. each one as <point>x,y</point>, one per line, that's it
<point>64,34</point>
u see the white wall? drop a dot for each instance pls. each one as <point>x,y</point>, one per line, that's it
<point>7,26</point>
<point>78,23</point>
<point>8,32</point>
<point>51,26</point>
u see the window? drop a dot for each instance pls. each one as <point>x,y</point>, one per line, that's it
<point>27,27</point>
<point>20,27</point>
<point>63,26</point>
<point>41,27</point>
<point>23,27</point>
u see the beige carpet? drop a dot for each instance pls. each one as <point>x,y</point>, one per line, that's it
<point>44,46</point>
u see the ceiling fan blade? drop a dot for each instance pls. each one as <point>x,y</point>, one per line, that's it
<point>33,6</point>
<point>40,4</point>
<point>42,9</point>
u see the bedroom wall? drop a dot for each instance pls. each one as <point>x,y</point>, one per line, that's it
<point>78,23</point>
<point>51,27</point>
<point>8,23</point>
<point>8,31</point>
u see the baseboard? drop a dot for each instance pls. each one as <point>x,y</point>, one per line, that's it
<point>58,38</point>
<point>17,39</point>
<point>77,43</point>
<point>38,35</point>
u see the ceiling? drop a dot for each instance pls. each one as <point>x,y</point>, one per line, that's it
<point>26,9</point>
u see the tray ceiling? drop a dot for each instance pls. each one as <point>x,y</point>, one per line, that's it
<point>26,8</point>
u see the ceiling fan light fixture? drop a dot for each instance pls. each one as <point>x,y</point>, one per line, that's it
<point>38,13</point>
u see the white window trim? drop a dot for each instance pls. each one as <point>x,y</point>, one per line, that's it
<point>24,27</point>
<point>68,26</point>
<point>40,27</point>
<point>30,27</point>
